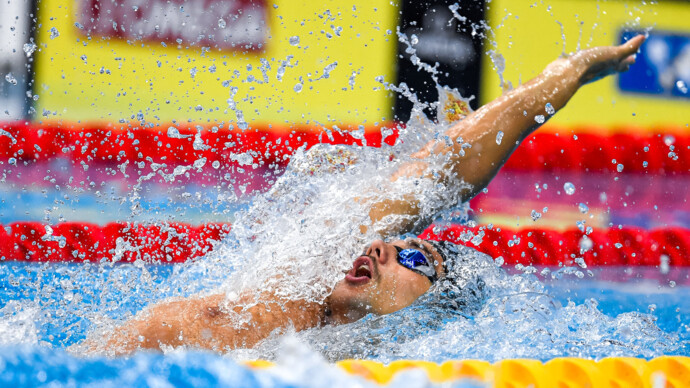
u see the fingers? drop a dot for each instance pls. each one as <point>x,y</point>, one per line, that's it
<point>625,64</point>
<point>630,47</point>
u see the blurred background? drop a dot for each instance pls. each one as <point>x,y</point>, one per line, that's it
<point>132,110</point>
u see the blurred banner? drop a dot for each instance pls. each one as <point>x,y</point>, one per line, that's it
<point>241,61</point>
<point>662,68</point>
<point>241,23</point>
<point>525,36</point>
<point>16,47</point>
<point>443,34</point>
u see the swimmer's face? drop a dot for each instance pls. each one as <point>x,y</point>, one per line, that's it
<point>378,284</point>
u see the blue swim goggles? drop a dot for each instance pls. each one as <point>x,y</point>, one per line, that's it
<point>415,261</point>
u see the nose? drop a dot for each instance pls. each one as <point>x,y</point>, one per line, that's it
<point>378,249</point>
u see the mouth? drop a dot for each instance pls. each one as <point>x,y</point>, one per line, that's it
<point>361,272</point>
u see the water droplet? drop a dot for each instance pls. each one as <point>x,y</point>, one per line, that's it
<point>294,40</point>
<point>569,188</point>
<point>29,49</point>
<point>669,140</point>
<point>581,261</point>
<point>174,133</point>
<point>583,208</point>
<point>586,244</point>
<point>664,262</point>
<point>535,215</point>
<point>298,88</point>
<point>54,33</point>
<point>682,86</point>
<point>221,23</point>
<point>550,109</point>
<point>619,167</point>
<point>215,164</point>
<point>645,164</point>
<point>618,245</point>
<point>499,137</point>
<point>199,163</point>
<point>539,118</point>
<point>10,78</point>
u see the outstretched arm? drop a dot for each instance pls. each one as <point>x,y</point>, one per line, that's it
<point>205,322</point>
<point>514,114</point>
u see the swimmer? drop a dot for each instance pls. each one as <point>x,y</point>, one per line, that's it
<point>387,276</point>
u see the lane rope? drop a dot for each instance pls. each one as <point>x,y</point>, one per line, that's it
<point>583,149</point>
<point>664,371</point>
<point>179,242</point>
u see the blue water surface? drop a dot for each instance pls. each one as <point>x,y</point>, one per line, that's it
<point>60,294</point>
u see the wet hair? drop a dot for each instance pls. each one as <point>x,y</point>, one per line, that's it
<point>461,283</point>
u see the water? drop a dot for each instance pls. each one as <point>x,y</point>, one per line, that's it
<point>46,308</point>
<point>307,225</point>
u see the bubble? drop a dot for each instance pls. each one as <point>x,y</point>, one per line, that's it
<point>298,88</point>
<point>569,188</point>
<point>499,137</point>
<point>414,39</point>
<point>294,40</point>
<point>215,164</point>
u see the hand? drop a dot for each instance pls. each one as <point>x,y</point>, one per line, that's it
<point>598,62</point>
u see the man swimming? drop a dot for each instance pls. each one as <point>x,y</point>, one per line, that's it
<point>388,275</point>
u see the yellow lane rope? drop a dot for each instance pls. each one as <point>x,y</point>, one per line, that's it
<point>619,372</point>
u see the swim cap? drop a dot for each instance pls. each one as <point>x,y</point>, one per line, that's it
<point>461,283</point>
<point>448,252</point>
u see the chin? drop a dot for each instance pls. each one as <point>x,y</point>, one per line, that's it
<point>345,293</point>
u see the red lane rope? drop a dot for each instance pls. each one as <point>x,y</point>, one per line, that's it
<point>577,149</point>
<point>178,242</point>
<point>108,143</point>
<point>80,241</point>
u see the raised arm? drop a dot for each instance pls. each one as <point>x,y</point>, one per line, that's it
<point>513,114</point>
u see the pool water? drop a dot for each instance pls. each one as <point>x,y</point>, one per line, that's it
<point>45,308</point>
